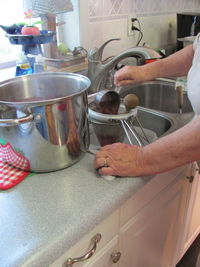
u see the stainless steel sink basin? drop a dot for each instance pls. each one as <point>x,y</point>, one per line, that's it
<point>158,112</point>
<point>153,123</point>
<point>158,95</point>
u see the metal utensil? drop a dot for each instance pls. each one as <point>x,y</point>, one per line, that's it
<point>107,102</point>
<point>131,101</point>
<point>179,92</point>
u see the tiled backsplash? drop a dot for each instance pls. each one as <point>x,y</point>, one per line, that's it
<point>103,10</point>
<point>101,20</point>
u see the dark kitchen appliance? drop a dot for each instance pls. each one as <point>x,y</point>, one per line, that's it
<point>188,24</point>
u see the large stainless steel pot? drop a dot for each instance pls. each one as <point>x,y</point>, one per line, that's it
<point>43,120</point>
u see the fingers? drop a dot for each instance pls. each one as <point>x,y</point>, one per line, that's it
<point>118,159</point>
<point>126,76</point>
<point>107,148</point>
<point>101,162</point>
<point>102,166</point>
<point>123,82</point>
<point>106,171</point>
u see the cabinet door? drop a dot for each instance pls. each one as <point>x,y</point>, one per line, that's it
<point>150,237</point>
<point>96,251</point>
<point>194,228</point>
<point>108,256</point>
<point>192,224</point>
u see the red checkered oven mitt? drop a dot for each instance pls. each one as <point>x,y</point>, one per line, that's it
<point>10,175</point>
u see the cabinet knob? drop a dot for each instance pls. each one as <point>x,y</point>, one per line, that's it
<point>88,254</point>
<point>115,256</point>
<point>190,178</point>
<point>197,169</point>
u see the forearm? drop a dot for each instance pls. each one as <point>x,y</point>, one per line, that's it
<point>176,149</point>
<point>177,64</point>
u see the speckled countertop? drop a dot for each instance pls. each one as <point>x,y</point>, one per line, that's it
<point>40,217</point>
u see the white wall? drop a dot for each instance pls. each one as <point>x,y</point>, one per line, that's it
<point>101,20</point>
<point>69,33</point>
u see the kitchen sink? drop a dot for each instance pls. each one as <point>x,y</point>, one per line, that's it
<point>158,95</point>
<point>153,124</point>
<point>158,112</point>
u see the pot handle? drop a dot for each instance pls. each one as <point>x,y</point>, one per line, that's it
<point>18,121</point>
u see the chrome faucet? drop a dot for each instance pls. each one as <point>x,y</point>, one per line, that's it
<point>98,69</point>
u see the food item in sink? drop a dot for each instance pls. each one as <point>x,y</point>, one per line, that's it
<point>131,101</point>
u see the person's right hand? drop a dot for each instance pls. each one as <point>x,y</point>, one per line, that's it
<point>120,160</point>
<point>129,75</point>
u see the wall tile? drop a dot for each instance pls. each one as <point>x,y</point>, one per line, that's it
<point>109,9</point>
<point>115,7</point>
<point>95,8</point>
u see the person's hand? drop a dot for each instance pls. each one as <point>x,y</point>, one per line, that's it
<point>129,75</point>
<point>119,159</point>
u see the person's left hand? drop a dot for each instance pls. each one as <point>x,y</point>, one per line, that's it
<point>119,159</point>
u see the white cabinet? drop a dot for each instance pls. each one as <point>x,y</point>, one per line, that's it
<point>147,230</point>
<point>192,216</point>
<point>106,252</point>
<point>150,237</point>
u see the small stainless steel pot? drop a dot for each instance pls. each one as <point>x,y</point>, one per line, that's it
<point>43,120</point>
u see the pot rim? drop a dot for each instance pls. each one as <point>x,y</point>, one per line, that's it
<point>45,101</point>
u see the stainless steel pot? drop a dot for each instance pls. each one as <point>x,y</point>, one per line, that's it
<point>43,120</point>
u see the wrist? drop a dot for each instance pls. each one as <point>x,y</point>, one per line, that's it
<point>152,70</point>
<point>146,164</point>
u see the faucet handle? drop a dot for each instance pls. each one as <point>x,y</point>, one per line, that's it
<point>96,53</point>
<point>93,54</point>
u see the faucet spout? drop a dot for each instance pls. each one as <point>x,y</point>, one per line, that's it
<point>97,70</point>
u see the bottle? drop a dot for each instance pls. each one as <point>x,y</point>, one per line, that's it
<point>23,66</point>
<point>39,65</point>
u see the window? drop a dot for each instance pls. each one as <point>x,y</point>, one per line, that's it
<point>10,12</point>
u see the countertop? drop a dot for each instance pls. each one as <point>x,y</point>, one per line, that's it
<point>46,214</point>
<point>40,217</point>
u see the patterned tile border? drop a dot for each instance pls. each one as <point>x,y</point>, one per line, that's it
<point>125,16</point>
<point>106,10</point>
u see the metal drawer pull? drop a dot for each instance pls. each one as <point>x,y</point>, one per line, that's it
<point>115,256</point>
<point>88,254</point>
<point>198,170</point>
<point>190,178</point>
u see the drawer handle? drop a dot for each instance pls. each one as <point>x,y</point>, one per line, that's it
<point>115,257</point>
<point>95,239</point>
<point>190,178</point>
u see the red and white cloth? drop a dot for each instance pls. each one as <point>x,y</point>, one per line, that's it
<point>10,175</point>
<point>14,158</point>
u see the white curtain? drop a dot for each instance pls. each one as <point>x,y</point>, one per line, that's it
<point>42,7</point>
